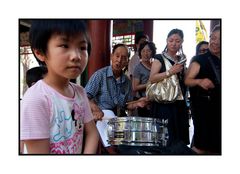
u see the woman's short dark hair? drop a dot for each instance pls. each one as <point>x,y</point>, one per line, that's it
<point>151,46</point>
<point>216,28</point>
<point>199,46</point>
<point>42,29</point>
<point>121,45</point>
<point>138,38</point>
<point>35,74</point>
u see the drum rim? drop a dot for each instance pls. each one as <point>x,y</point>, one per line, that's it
<point>134,118</point>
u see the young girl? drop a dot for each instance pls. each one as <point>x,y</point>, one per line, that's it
<point>55,113</point>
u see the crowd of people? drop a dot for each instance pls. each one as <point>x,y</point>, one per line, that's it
<point>59,117</point>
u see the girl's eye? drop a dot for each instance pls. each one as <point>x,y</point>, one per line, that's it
<point>64,45</point>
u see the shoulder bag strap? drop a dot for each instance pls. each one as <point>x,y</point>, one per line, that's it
<point>168,65</point>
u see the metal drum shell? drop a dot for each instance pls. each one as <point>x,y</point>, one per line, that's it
<point>137,131</point>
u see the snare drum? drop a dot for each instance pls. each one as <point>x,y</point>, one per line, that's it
<point>137,131</point>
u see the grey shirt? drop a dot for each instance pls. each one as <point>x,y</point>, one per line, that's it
<point>141,73</point>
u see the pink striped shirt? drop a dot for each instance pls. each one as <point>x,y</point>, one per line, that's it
<point>45,113</point>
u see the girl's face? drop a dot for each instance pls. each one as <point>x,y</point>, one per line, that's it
<point>66,57</point>
<point>146,53</point>
<point>174,43</point>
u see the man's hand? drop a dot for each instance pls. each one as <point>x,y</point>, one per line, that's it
<point>96,111</point>
<point>142,102</point>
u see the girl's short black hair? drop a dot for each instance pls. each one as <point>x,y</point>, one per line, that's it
<point>151,46</point>
<point>42,29</point>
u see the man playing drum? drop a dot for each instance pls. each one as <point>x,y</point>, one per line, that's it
<point>110,89</point>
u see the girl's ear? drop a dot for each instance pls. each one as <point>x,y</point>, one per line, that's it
<point>39,55</point>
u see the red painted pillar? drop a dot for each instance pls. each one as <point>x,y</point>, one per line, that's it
<point>148,28</point>
<point>99,31</point>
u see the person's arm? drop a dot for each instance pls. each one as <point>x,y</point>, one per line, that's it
<point>93,88</point>
<point>155,76</point>
<point>96,111</point>
<point>154,73</point>
<point>35,122</point>
<point>137,86</point>
<point>142,102</point>
<point>191,74</point>
<point>40,146</point>
<point>21,147</point>
<point>92,138</point>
